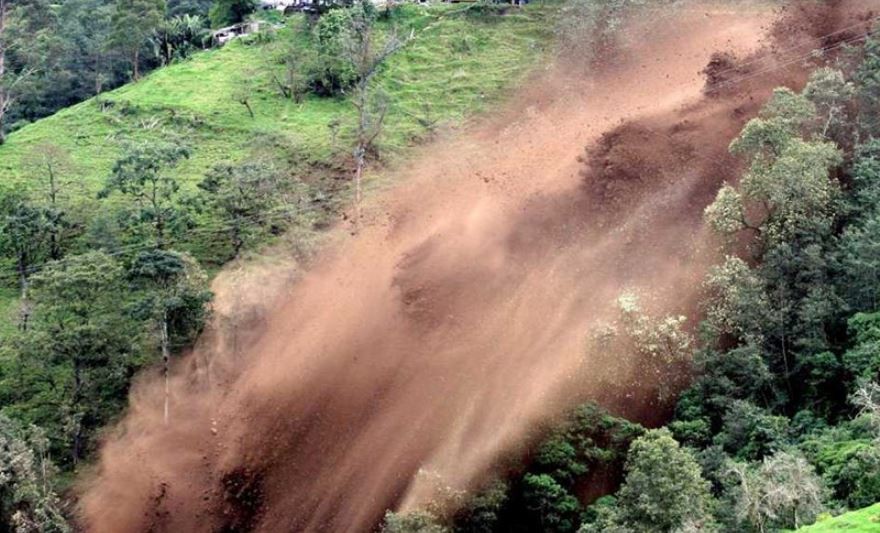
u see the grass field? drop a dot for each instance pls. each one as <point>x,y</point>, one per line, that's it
<point>862,521</point>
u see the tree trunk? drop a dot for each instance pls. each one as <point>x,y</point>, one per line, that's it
<point>250,111</point>
<point>77,391</point>
<point>54,245</point>
<point>24,284</point>
<point>166,360</point>
<point>136,72</point>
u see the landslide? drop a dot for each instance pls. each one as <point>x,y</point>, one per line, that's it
<point>417,354</point>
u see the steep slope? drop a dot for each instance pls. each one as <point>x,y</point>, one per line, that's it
<point>416,355</point>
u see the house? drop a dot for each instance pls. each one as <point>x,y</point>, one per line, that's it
<point>224,35</point>
<point>289,6</point>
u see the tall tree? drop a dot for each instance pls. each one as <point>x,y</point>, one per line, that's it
<point>27,501</point>
<point>134,22</point>
<point>142,173</point>
<point>175,299</point>
<point>366,57</point>
<point>51,166</point>
<point>22,237</point>
<point>663,489</point>
<point>86,340</point>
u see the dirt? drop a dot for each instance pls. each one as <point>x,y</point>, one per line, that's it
<point>418,355</point>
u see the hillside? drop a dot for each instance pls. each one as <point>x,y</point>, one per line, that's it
<point>458,62</point>
<point>861,521</point>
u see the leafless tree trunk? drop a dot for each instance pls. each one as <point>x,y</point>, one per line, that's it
<point>367,63</point>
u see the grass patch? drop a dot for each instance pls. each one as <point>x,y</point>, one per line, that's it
<point>864,520</point>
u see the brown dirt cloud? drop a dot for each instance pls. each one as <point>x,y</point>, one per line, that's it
<point>430,346</point>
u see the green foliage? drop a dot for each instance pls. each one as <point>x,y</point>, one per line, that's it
<point>664,489</point>
<point>867,79</point>
<point>333,71</point>
<point>27,502</point>
<point>751,433</point>
<point>863,359</point>
<point>226,12</point>
<point>175,291</point>
<point>483,512</point>
<point>243,198</point>
<point>133,22</point>
<point>82,346</point>
<point>412,522</point>
<point>555,508</point>
<point>143,174</point>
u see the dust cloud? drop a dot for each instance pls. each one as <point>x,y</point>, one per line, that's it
<point>417,355</point>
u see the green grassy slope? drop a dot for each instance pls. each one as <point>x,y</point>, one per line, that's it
<point>864,520</point>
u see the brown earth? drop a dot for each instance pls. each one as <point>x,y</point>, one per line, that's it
<point>413,358</point>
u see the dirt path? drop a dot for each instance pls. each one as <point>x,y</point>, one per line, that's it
<point>415,356</point>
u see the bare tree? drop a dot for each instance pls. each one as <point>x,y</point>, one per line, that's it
<point>867,399</point>
<point>371,106</point>
<point>784,491</point>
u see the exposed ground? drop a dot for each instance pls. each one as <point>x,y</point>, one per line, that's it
<point>421,353</point>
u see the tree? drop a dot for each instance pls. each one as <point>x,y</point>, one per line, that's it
<point>244,91</point>
<point>781,492</point>
<point>142,174</point>
<point>175,296</point>
<point>51,166</point>
<point>89,62</point>
<point>832,95</point>
<point>27,501</point>
<point>178,37</point>
<point>134,22</point>
<point>556,509</point>
<point>867,79</point>
<point>226,12</point>
<point>22,236</point>
<point>366,60</point>
<point>660,345</point>
<point>663,489</point>
<point>787,188</point>
<point>412,522</point>
<point>751,433</point>
<point>85,340</point>
<point>242,196</point>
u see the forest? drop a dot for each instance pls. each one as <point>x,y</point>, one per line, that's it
<point>106,260</point>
